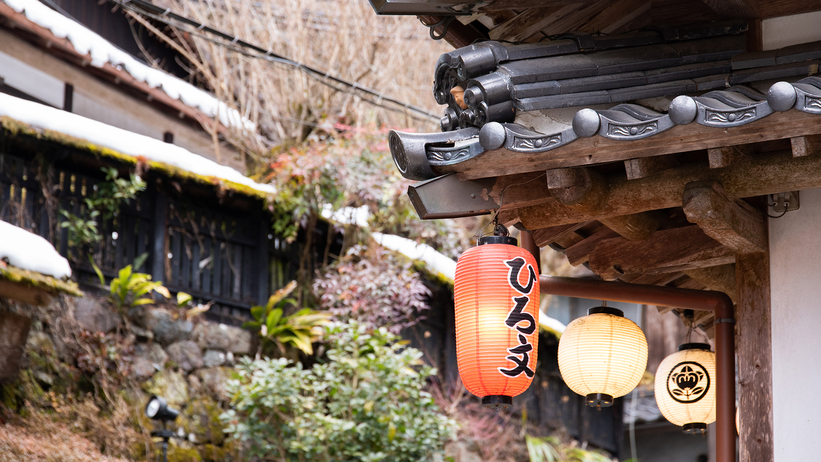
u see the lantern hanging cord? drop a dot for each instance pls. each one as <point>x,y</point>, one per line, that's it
<point>495,220</point>
<point>236,44</point>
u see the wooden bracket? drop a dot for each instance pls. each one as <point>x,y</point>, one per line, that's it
<point>727,155</point>
<point>646,166</point>
<point>734,223</point>
<point>587,192</point>
<point>805,145</point>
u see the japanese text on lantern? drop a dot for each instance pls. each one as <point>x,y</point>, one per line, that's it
<point>520,354</point>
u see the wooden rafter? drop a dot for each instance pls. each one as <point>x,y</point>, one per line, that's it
<point>734,8</point>
<point>666,251</point>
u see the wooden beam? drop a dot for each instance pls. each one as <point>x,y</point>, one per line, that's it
<point>634,19</point>
<point>746,9</point>
<point>646,166</point>
<point>666,251</point>
<point>586,191</point>
<point>531,21</point>
<point>616,14</point>
<point>24,293</point>
<point>754,337</point>
<point>805,145</point>
<point>727,155</point>
<point>720,278</point>
<point>511,191</point>
<point>757,176</point>
<point>776,8</point>
<point>508,217</point>
<point>599,150</point>
<point>734,223</point>
<point>664,309</point>
<point>546,236</point>
<point>580,253</point>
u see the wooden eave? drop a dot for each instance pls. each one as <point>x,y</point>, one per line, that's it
<point>532,21</point>
<point>62,48</point>
<point>24,139</point>
<point>681,222</point>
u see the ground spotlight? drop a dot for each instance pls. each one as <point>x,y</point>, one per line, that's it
<point>157,409</point>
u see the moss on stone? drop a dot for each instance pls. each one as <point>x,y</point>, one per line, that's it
<point>182,452</point>
<point>169,384</point>
<point>202,418</point>
<point>213,453</point>
<point>39,281</point>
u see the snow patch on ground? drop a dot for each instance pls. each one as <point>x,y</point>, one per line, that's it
<point>102,52</point>
<point>29,251</point>
<point>123,141</point>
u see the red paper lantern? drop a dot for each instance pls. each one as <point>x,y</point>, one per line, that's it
<point>496,292</point>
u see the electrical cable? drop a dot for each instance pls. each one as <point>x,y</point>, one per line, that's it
<point>234,43</point>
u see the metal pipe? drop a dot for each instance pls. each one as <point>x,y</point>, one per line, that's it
<point>700,300</point>
<point>529,244</point>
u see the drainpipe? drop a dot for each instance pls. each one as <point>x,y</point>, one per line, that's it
<point>700,300</point>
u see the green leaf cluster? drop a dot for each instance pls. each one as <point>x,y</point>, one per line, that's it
<point>364,402</point>
<point>550,449</point>
<point>130,289</point>
<point>103,202</point>
<point>299,330</point>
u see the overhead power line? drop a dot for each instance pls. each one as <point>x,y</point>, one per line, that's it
<point>235,43</point>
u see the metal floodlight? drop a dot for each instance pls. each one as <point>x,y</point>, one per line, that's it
<point>157,409</point>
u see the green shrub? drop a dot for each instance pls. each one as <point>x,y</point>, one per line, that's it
<point>364,402</point>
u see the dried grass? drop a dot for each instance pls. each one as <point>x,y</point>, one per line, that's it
<point>390,54</point>
<point>42,438</point>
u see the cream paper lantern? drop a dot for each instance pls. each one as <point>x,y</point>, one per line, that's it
<point>685,387</point>
<point>602,356</point>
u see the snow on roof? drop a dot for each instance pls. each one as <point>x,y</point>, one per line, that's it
<point>29,251</point>
<point>123,141</point>
<point>435,261</point>
<point>348,215</point>
<point>102,52</point>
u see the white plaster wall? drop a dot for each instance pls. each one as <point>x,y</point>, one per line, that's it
<point>795,278</point>
<point>790,30</point>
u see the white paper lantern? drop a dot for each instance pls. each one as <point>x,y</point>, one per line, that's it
<point>685,387</point>
<point>602,356</point>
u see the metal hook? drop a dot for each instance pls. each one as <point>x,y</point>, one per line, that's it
<point>444,22</point>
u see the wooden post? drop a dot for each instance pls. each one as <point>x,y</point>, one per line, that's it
<point>754,358</point>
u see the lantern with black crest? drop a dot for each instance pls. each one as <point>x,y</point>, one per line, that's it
<point>685,387</point>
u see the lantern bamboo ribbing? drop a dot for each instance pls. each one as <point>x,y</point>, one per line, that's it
<point>685,387</point>
<point>602,356</point>
<point>496,295</point>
